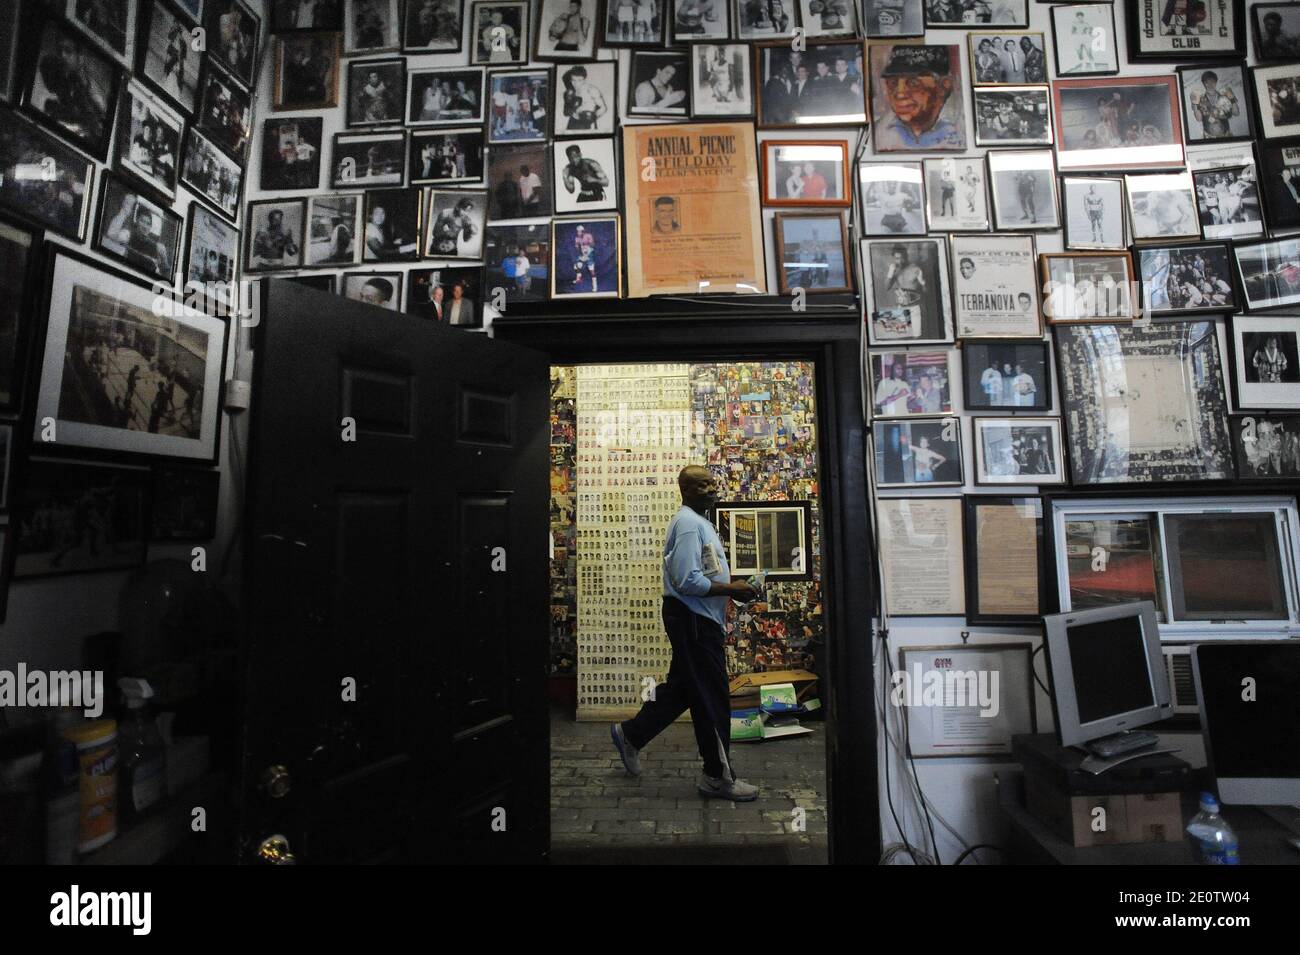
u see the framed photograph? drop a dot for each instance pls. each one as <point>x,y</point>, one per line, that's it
<point>148,145</point>
<point>1277,31</point>
<point>905,291</point>
<point>659,83</point>
<point>567,28</point>
<point>888,19</point>
<point>1216,103</point>
<point>946,14</point>
<point>383,289</point>
<point>212,175</point>
<point>450,295</point>
<point>112,26</point>
<point>1024,189</point>
<point>921,533</point>
<point>184,504</point>
<point>320,281</point>
<point>192,9</point>
<point>333,226</point>
<point>211,253</point>
<point>1008,58</point>
<point>587,257</point>
<point>432,26</point>
<point>829,17</point>
<point>1008,375</point>
<point>586,175</point>
<point>1265,363</point>
<point>766,537</point>
<point>18,282</point>
<point>393,221</point>
<point>233,29</point>
<point>1160,31</point>
<point>71,87</point>
<point>1129,122</point>
<point>1094,212</point>
<point>57,496</point>
<point>443,157</point>
<point>137,230</point>
<point>520,182</point>
<point>1083,36</point>
<point>956,195</point>
<point>1269,273</point>
<point>1279,180</point>
<point>518,260</point>
<point>1007,563</point>
<point>769,20</point>
<point>371,26</point>
<point>307,71</point>
<point>118,377</point>
<point>809,172</point>
<point>10,40</point>
<point>1086,287</point>
<point>375,92</point>
<point>1018,451</point>
<point>893,198</point>
<point>288,16</point>
<point>367,160</point>
<point>519,112</point>
<point>445,97</point>
<point>812,249</point>
<point>275,228</point>
<point>455,223</point>
<point>913,381</point>
<point>586,99</point>
<point>1186,279</point>
<point>1277,99</point>
<point>1162,206</point>
<point>163,56</point>
<point>59,202</point>
<point>291,151</point>
<point>721,84</point>
<point>1227,192</point>
<point>225,113</point>
<point>499,32</point>
<point>924,452</point>
<point>937,736</point>
<point>916,98</point>
<point>1267,447</point>
<point>1170,423</point>
<point>632,23</point>
<point>822,86</point>
<point>1012,116</point>
<point>995,286</point>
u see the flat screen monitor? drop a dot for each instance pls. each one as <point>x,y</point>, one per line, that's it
<point>1249,696</point>
<point>1108,675</point>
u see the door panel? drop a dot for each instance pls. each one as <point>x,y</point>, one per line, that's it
<point>397,678</point>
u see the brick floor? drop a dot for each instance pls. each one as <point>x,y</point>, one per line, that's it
<point>595,805</point>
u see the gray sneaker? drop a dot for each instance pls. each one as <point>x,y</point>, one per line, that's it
<point>630,754</point>
<point>737,790</point>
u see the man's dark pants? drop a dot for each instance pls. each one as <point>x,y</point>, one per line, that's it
<point>697,680</point>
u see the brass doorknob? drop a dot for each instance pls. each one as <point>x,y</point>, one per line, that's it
<point>275,781</point>
<point>274,850</point>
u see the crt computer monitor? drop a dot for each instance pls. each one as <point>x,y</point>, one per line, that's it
<point>1249,697</point>
<point>1108,674</point>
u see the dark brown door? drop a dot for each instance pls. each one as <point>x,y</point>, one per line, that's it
<point>397,590</point>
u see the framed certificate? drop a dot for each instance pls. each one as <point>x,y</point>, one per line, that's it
<point>921,556</point>
<point>1006,563</point>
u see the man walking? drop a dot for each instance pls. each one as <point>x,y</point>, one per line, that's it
<point>697,586</point>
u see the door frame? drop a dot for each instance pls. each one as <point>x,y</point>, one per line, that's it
<point>754,329</point>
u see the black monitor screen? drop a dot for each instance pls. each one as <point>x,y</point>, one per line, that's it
<point>1253,726</point>
<point>1109,660</point>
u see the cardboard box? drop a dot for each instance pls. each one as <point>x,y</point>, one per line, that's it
<point>744,688</point>
<point>1129,818</point>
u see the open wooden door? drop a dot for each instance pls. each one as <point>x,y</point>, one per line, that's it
<point>396,583</point>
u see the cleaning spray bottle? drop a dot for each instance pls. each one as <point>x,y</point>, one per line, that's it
<point>143,757</point>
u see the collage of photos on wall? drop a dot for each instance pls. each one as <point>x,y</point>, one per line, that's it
<point>123,144</point>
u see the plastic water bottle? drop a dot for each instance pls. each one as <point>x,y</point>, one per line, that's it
<point>1213,840</point>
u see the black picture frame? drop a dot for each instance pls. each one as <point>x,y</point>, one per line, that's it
<point>421,285</point>
<point>1144,253</point>
<point>68,211</point>
<point>503,176</point>
<point>1268,50</point>
<point>410,28</point>
<point>376,279</point>
<point>679,59</point>
<point>348,147</point>
<point>1256,464</point>
<point>676,39</point>
<point>480,53</point>
<point>607,122</point>
<point>277,174</point>
<point>1061,71</point>
<point>221,125</point>
<point>654,36</point>
<point>977,352</point>
<point>415,86</point>
<point>10,45</point>
<point>184,504</point>
<point>292,89</point>
<point>332,19</point>
<point>1278,162</point>
<point>1141,15</point>
<point>469,150</point>
<point>200,220</point>
<point>539,83</point>
<point>410,203</point>
<point>20,271</point>
<point>251,234</point>
<point>961,24</point>
<point>544,29</point>
<point>887,438</point>
<point>93,134</point>
<point>805,545</point>
<point>1247,96</point>
<point>1248,339</point>
<point>358,113</point>
<point>199,159</point>
<point>971,505</point>
<point>126,162</point>
<point>778,112</point>
<point>130,249</point>
<point>238,56</point>
<point>509,241</point>
<point>172,51</point>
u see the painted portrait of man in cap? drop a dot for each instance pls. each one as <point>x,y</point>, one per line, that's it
<point>916,99</point>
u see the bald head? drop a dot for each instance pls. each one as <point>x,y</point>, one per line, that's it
<point>698,487</point>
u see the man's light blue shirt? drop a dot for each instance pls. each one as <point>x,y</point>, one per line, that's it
<point>694,559</point>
